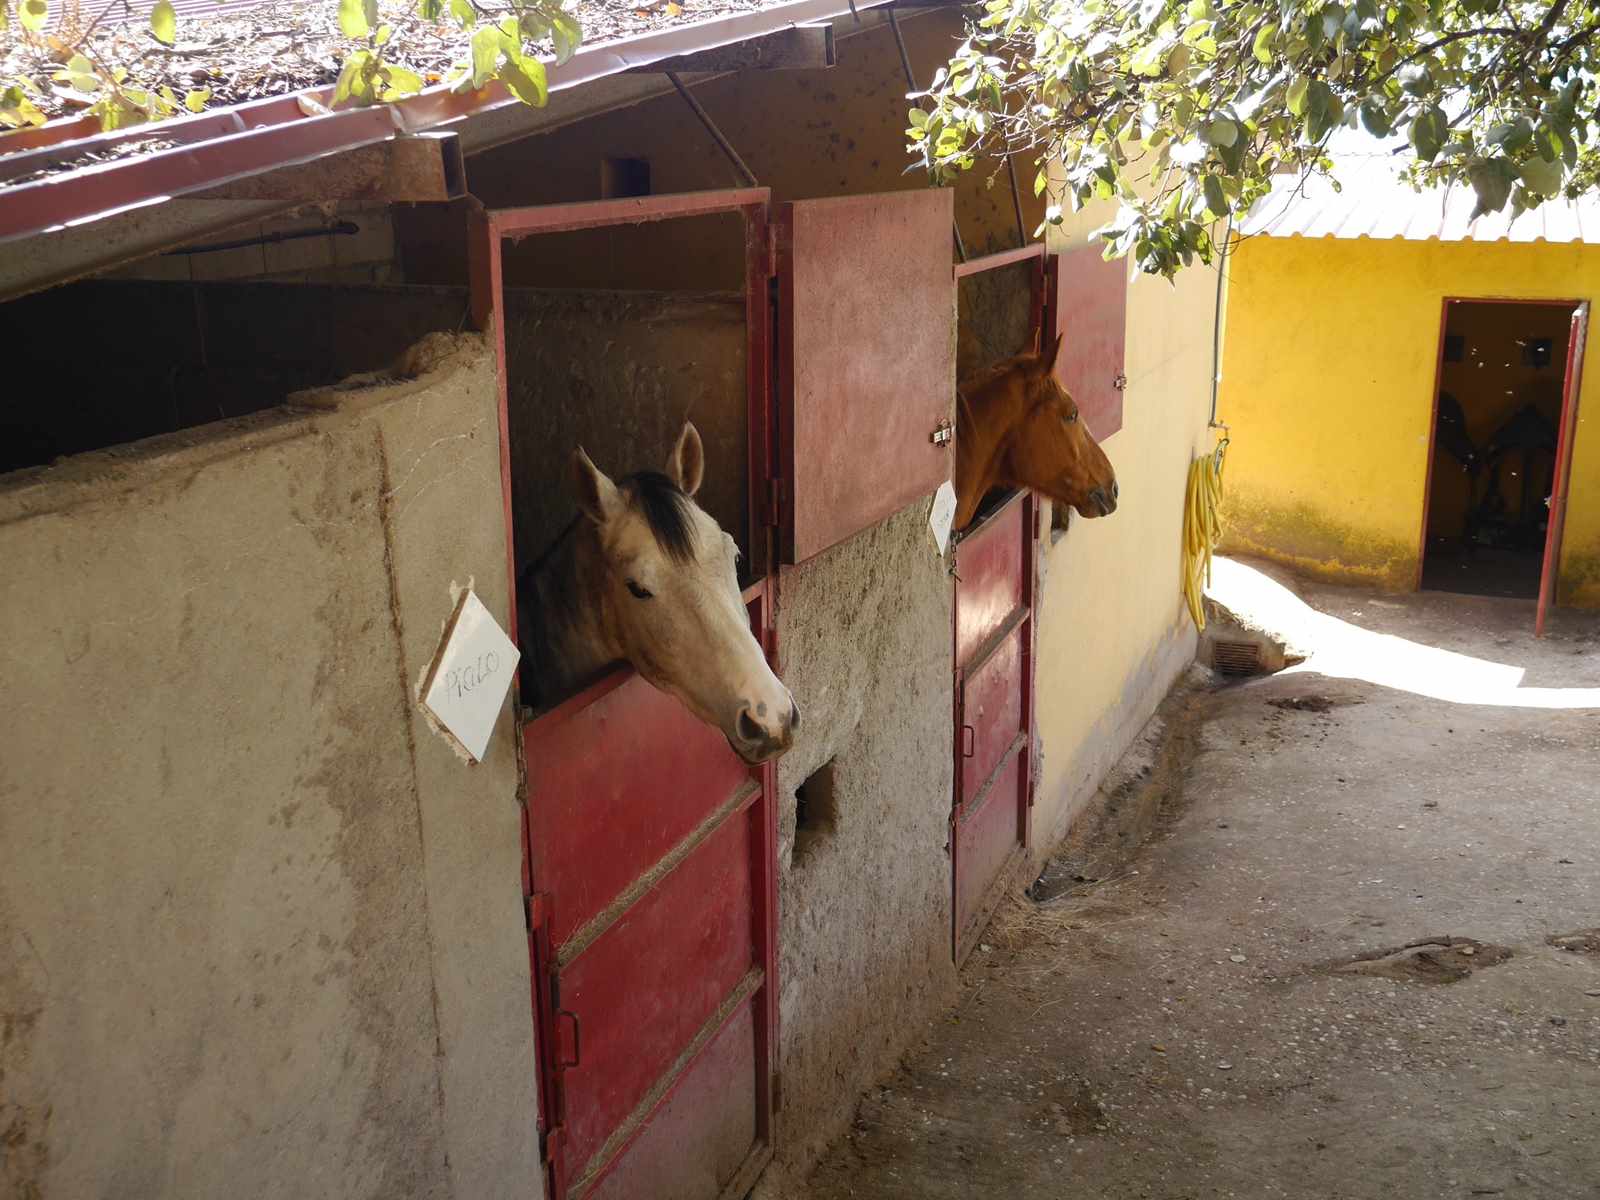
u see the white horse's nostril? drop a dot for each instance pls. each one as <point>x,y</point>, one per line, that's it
<point>794,714</point>
<point>749,728</point>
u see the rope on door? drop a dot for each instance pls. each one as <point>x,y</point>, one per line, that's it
<point>1202,527</point>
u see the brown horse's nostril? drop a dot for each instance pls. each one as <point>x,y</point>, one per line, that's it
<point>1114,492</point>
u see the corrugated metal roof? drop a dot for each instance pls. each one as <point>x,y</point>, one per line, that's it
<point>1373,203</point>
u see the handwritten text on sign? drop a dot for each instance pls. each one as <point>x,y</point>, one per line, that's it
<point>471,676</point>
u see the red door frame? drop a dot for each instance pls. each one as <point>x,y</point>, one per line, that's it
<point>1045,265</point>
<point>1571,384</point>
<point>1561,480</point>
<point>490,229</point>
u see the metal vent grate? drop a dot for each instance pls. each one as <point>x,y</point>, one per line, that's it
<point>1236,658</point>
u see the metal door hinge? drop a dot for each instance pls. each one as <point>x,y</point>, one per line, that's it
<point>1120,382</point>
<point>942,433</point>
<point>536,911</point>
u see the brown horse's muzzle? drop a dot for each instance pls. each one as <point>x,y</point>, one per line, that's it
<point>1101,501</point>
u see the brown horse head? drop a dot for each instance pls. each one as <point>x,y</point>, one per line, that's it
<point>1017,427</point>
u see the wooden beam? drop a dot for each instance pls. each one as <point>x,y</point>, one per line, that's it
<point>799,48</point>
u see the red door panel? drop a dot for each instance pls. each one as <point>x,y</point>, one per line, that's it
<point>592,830</point>
<point>991,711</point>
<point>1091,312</point>
<point>990,590</point>
<point>867,356</point>
<point>643,989</point>
<point>994,710</point>
<point>988,832</point>
<point>695,1144</point>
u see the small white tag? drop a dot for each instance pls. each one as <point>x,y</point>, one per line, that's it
<point>943,514</point>
<point>471,675</point>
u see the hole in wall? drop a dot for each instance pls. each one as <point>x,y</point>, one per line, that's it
<point>816,814</point>
<point>623,177</point>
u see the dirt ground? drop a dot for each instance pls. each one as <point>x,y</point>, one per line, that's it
<point>1356,956</point>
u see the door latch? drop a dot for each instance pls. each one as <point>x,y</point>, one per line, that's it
<point>942,434</point>
<point>1120,382</point>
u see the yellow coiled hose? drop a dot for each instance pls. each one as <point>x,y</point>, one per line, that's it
<point>1202,528</point>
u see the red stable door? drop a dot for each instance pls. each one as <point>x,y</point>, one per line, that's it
<point>994,650</point>
<point>649,851</point>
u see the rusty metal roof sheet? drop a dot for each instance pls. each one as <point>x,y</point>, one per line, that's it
<point>1373,203</point>
<point>101,174</point>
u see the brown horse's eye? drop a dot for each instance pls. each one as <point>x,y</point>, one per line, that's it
<point>639,593</point>
<point>1070,416</point>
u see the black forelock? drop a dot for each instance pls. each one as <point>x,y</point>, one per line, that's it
<point>666,511</point>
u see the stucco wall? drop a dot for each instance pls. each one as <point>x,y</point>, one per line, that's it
<point>1113,633</point>
<point>618,373</point>
<point>804,133</point>
<point>864,936</point>
<point>259,926</point>
<point>1329,373</point>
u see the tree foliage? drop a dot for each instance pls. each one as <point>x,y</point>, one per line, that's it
<point>1186,110</point>
<point>503,41</point>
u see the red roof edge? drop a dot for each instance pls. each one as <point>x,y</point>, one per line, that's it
<point>215,148</point>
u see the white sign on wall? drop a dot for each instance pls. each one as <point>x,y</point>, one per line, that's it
<point>471,675</point>
<point>943,514</point>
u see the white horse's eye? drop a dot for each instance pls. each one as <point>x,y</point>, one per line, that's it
<point>639,593</point>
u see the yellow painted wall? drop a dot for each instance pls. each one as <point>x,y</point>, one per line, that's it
<point>1113,635</point>
<point>1328,375</point>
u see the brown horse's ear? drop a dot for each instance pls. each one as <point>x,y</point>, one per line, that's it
<point>597,496</point>
<point>1047,360</point>
<point>686,465</point>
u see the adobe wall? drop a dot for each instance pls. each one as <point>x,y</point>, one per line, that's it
<point>259,926</point>
<point>864,906</point>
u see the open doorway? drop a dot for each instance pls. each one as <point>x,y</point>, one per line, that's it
<point>1497,417</point>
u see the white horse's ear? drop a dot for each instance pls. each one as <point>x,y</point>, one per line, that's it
<point>596,495</point>
<point>686,466</point>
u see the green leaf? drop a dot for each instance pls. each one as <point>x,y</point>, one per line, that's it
<point>465,15</point>
<point>1216,198</point>
<point>1491,179</point>
<point>1542,176</point>
<point>1295,97</point>
<point>381,38</point>
<point>195,100</point>
<point>1427,133</point>
<point>1262,47</point>
<point>1040,182</point>
<point>16,110</point>
<point>430,10</point>
<point>353,21</point>
<point>1222,132</point>
<point>1375,118</point>
<point>1416,80</point>
<point>33,14</point>
<point>354,84</point>
<point>526,81</point>
<point>400,82</point>
<point>80,73</point>
<point>485,54</point>
<point>566,35</point>
<point>164,22</point>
